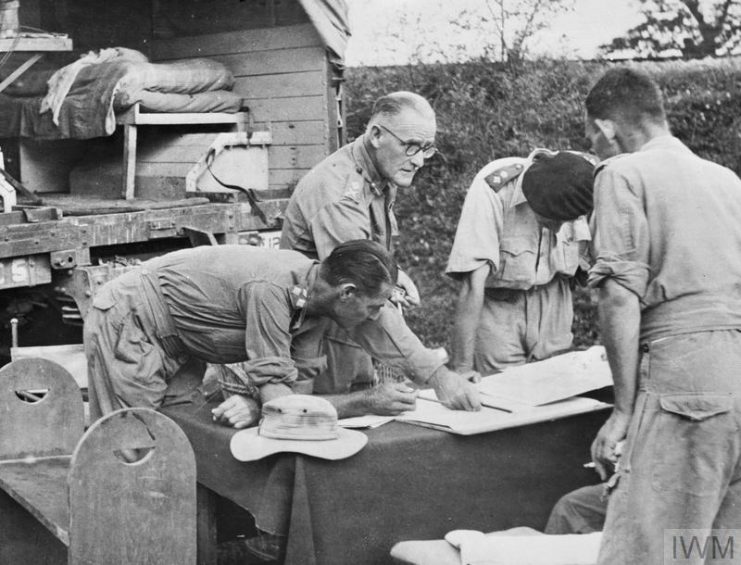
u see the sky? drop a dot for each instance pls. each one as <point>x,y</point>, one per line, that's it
<point>390,32</point>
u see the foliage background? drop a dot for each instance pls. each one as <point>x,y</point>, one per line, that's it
<point>487,111</point>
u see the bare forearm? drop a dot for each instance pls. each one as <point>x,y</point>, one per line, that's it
<point>620,317</point>
<point>270,391</point>
<point>349,404</point>
<point>467,314</point>
<point>387,399</point>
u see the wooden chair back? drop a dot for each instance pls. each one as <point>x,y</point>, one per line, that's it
<point>41,410</point>
<point>124,510</point>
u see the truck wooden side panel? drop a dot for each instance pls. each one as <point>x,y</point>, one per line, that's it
<point>282,74</point>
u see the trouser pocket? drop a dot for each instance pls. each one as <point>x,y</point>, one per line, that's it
<point>693,443</point>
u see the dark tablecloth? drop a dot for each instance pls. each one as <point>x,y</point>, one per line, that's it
<point>409,482</point>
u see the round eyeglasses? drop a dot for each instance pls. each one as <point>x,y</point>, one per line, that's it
<point>411,148</point>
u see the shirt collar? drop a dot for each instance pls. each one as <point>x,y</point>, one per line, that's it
<point>366,167</point>
<point>667,140</point>
<point>299,296</point>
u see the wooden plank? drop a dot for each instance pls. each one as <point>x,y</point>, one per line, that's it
<point>98,229</point>
<point>53,43</point>
<point>167,159</point>
<point>311,132</point>
<point>41,488</point>
<point>23,539</point>
<point>277,61</point>
<point>154,514</point>
<point>50,428</point>
<point>129,162</point>
<point>294,108</point>
<point>285,178</point>
<point>299,133</point>
<point>20,70</point>
<point>135,117</point>
<point>233,42</point>
<point>296,156</point>
<point>286,85</point>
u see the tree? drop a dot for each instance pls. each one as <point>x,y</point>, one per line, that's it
<point>508,26</point>
<point>690,28</point>
<point>451,32</point>
<point>518,21</point>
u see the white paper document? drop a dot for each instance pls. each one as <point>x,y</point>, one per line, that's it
<point>431,413</point>
<point>542,382</point>
<point>367,421</point>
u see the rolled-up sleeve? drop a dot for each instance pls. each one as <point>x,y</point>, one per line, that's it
<point>308,353</point>
<point>267,313</point>
<point>479,230</point>
<point>620,234</point>
<point>389,339</point>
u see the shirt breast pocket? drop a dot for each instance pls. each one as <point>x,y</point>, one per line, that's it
<point>517,267</point>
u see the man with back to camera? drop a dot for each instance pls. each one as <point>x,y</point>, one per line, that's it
<point>233,304</point>
<point>520,240</point>
<point>350,194</point>
<point>667,245</point>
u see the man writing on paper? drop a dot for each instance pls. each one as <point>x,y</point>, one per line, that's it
<point>520,241</point>
<point>264,309</point>
<point>351,195</point>
<point>667,241</point>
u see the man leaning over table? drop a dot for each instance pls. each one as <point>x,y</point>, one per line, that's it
<point>266,310</point>
<point>350,195</point>
<point>521,241</point>
<point>667,243</point>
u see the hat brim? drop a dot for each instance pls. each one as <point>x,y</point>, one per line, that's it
<point>249,445</point>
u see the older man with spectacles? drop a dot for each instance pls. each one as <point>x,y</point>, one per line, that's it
<point>350,195</point>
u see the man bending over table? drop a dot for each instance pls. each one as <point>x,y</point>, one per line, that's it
<point>265,309</point>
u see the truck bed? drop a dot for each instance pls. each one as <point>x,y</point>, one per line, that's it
<point>72,222</point>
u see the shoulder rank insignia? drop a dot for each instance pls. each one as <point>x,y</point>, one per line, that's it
<point>503,175</point>
<point>353,191</point>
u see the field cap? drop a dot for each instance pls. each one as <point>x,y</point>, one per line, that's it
<point>560,186</point>
<point>297,423</point>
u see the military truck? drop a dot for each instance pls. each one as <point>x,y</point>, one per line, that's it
<point>79,211</point>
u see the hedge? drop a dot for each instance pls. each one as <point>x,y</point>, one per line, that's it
<point>486,111</point>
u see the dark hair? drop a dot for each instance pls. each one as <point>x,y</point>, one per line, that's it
<point>362,262</point>
<point>628,94</point>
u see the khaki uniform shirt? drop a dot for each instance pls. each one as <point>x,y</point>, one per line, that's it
<point>652,212</point>
<point>342,198</point>
<point>498,227</point>
<point>527,310</point>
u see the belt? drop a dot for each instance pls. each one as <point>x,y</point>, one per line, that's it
<point>510,294</point>
<point>164,325</point>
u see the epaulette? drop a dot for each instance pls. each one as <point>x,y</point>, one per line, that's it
<point>602,164</point>
<point>503,175</point>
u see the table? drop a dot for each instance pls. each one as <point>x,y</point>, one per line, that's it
<point>409,482</point>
